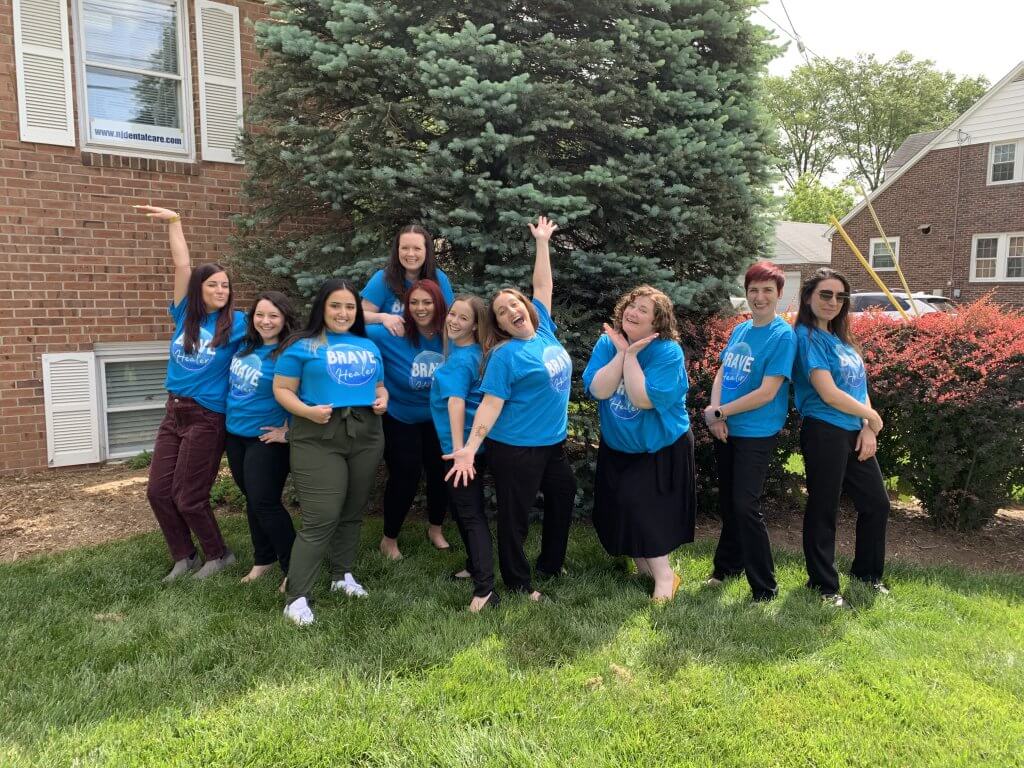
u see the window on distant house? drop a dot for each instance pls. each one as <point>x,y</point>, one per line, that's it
<point>879,253</point>
<point>1004,163</point>
<point>998,257</point>
<point>132,60</point>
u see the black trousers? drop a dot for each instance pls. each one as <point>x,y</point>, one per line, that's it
<point>467,503</point>
<point>411,450</point>
<point>259,470</point>
<point>519,472</point>
<point>744,544</point>
<point>832,468</point>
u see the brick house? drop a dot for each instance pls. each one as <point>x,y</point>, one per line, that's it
<point>103,104</point>
<point>952,205</point>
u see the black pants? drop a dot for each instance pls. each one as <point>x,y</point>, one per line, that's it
<point>744,544</point>
<point>519,472</point>
<point>411,450</point>
<point>259,470</point>
<point>832,468</point>
<point>467,502</point>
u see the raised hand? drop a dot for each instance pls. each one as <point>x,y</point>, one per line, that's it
<point>618,338</point>
<point>543,229</point>
<point>155,212</point>
<point>638,346</point>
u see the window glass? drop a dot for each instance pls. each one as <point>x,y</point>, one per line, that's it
<point>880,256</point>
<point>1003,156</point>
<point>985,253</point>
<point>1015,257</point>
<point>130,432</point>
<point>136,382</point>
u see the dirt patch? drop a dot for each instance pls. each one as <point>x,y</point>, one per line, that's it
<point>58,510</point>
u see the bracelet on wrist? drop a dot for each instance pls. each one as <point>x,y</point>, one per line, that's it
<point>174,218</point>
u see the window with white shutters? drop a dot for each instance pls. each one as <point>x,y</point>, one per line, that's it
<point>220,79</point>
<point>43,68</point>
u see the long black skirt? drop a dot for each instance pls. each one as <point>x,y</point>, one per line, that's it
<point>645,503</point>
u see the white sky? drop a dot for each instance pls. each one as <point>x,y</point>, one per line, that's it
<point>980,37</point>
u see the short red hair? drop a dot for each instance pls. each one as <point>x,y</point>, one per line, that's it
<point>432,289</point>
<point>763,272</point>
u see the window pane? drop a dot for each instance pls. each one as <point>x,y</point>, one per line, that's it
<point>137,34</point>
<point>132,431</point>
<point>880,257</point>
<point>1003,156</point>
<point>1015,258</point>
<point>985,250</point>
<point>134,110</point>
<point>138,382</point>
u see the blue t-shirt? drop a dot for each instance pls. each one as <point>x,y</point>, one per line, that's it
<point>629,429</point>
<point>532,377</point>
<point>251,402</point>
<point>458,376</point>
<point>203,374</point>
<point>751,354</point>
<point>342,372</point>
<point>408,372</point>
<point>815,349</point>
<point>379,293</point>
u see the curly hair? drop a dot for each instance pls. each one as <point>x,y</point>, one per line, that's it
<point>664,312</point>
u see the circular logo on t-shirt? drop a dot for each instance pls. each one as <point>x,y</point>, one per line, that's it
<point>397,308</point>
<point>621,406</point>
<point>739,358</point>
<point>246,373</point>
<point>351,365</point>
<point>200,357</point>
<point>421,374</point>
<point>559,366</point>
<point>851,370</point>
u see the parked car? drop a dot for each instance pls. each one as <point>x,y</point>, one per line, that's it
<point>862,301</point>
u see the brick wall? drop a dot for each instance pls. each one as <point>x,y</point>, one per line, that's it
<point>77,266</point>
<point>927,193</point>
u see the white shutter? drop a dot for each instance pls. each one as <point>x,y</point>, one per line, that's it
<point>43,62</point>
<point>220,79</point>
<point>72,408</point>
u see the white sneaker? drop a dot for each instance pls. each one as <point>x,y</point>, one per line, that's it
<point>298,612</point>
<point>349,586</point>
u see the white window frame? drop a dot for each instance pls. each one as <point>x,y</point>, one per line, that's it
<point>185,73</point>
<point>1018,162</point>
<point>1002,254</point>
<point>122,353</point>
<point>895,241</point>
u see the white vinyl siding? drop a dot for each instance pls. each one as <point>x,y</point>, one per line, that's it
<point>997,257</point>
<point>999,118</point>
<point>879,255</point>
<point>220,79</point>
<point>132,63</point>
<point>43,68</point>
<point>70,402</point>
<point>133,398</point>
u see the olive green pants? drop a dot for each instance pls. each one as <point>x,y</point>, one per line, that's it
<point>334,466</point>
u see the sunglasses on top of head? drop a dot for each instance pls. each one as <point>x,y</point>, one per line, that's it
<point>826,295</point>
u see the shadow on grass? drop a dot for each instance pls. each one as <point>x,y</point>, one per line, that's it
<point>92,634</point>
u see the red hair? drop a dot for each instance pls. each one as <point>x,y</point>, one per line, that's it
<point>432,289</point>
<point>763,272</point>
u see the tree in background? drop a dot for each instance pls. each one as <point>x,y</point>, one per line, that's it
<point>857,112</point>
<point>799,104</point>
<point>811,200</point>
<point>637,126</point>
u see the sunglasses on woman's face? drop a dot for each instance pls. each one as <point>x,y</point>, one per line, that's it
<point>842,297</point>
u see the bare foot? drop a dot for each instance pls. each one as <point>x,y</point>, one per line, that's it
<point>477,604</point>
<point>536,596</point>
<point>665,590</point>
<point>255,573</point>
<point>389,548</point>
<point>284,585</point>
<point>436,535</point>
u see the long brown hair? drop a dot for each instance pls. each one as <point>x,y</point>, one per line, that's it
<point>195,309</point>
<point>496,335</point>
<point>840,324</point>
<point>253,340</point>
<point>432,289</point>
<point>394,272</point>
<point>481,317</point>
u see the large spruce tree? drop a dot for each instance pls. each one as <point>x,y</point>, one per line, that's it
<point>635,125</point>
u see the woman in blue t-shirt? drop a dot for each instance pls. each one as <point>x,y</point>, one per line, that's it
<point>330,377</point>
<point>454,398</point>
<point>190,441</point>
<point>257,429</point>
<point>749,405</point>
<point>837,438</point>
<point>411,259</point>
<point>411,447</point>
<point>524,416</point>
<point>645,498</point>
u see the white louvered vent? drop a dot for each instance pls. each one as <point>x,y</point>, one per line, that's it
<point>72,423</point>
<point>43,65</point>
<point>220,79</point>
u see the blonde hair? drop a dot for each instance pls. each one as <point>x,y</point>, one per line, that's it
<point>664,313</point>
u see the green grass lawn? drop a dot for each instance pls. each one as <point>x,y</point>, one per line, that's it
<point>102,665</point>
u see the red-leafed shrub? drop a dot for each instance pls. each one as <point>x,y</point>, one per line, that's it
<point>951,390</point>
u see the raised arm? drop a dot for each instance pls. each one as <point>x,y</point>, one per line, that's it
<point>543,283</point>
<point>179,248</point>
